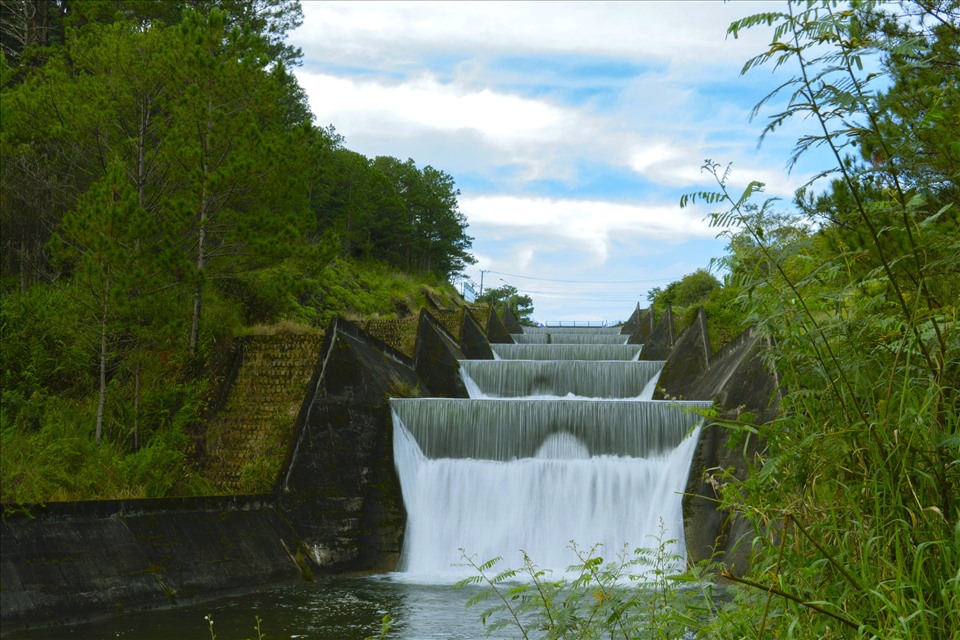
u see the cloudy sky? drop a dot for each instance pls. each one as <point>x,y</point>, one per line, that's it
<point>571,129</point>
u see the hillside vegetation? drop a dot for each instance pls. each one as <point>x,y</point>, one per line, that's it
<point>164,190</point>
<point>855,499</point>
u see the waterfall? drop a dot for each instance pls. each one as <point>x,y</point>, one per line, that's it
<point>531,338</point>
<point>558,442</point>
<point>568,330</point>
<point>586,379</point>
<point>539,505</point>
<point>567,351</point>
<point>508,429</point>
<point>569,338</point>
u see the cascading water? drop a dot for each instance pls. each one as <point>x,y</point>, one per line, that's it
<point>582,378</point>
<point>567,351</point>
<point>556,444</point>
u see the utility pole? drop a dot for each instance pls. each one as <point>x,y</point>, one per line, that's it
<point>482,271</point>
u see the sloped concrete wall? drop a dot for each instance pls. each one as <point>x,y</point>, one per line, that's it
<point>340,490</point>
<point>473,339</point>
<point>736,380</point>
<point>497,332</point>
<point>658,345</point>
<point>70,562</point>
<point>436,355</point>
<point>510,321</point>
<point>632,323</point>
<point>688,359</point>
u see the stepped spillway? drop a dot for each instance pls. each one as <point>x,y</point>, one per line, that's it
<point>586,379</point>
<point>559,442</point>
<point>567,351</point>
<point>516,428</point>
<point>569,338</point>
<point>590,331</point>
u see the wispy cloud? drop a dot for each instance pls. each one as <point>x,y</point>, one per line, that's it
<point>539,108</point>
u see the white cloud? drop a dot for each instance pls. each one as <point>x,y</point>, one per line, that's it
<point>398,33</point>
<point>517,96</point>
<point>427,104</point>
<point>588,227</point>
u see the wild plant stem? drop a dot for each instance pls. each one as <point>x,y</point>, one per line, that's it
<point>791,597</point>
<point>853,581</point>
<point>776,572</point>
<point>810,94</point>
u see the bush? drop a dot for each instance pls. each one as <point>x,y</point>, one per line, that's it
<point>640,595</point>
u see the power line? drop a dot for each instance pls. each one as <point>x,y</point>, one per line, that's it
<point>513,275</point>
<point>583,294</point>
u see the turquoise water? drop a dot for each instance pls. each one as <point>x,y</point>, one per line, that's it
<point>326,609</point>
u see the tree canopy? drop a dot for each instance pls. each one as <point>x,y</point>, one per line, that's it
<point>163,184</point>
<point>508,297</point>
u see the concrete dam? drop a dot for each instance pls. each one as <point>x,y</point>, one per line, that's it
<point>457,428</point>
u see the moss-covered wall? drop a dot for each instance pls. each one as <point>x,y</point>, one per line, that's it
<point>399,333</point>
<point>451,321</point>
<point>245,442</point>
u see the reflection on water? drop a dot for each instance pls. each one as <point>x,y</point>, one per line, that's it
<point>327,609</point>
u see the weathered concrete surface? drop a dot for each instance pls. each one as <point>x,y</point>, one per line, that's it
<point>660,342</point>
<point>497,333</point>
<point>632,322</point>
<point>737,382</point>
<point>341,491</point>
<point>473,340</point>
<point>69,562</point>
<point>510,321</point>
<point>436,355</point>
<point>644,327</point>
<point>688,360</point>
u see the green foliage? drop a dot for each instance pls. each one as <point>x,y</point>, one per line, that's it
<point>259,476</point>
<point>257,627</point>
<point>163,188</point>
<point>638,595</point>
<point>702,289</point>
<point>520,305</point>
<point>387,210</point>
<point>692,289</point>
<point>61,461</point>
<point>856,502</point>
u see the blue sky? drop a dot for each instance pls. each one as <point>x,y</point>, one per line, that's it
<point>571,129</point>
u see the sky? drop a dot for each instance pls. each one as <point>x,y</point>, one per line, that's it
<point>572,129</point>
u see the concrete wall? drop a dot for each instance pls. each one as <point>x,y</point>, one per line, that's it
<point>340,490</point>
<point>70,562</point>
<point>737,382</point>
